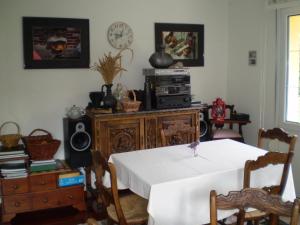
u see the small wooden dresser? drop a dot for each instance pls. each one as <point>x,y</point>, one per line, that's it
<point>38,191</point>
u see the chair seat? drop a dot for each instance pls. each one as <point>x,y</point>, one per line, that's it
<point>255,214</point>
<point>225,133</point>
<point>134,208</point>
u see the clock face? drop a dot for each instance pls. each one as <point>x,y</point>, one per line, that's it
<point>120,35</point>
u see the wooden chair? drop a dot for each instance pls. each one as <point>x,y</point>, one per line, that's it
<point>129,209</point>
<point>253,198</point>
<point>267,137</point>
<point>222,125</point>
<point>178,133</point>
<point>270,158</point>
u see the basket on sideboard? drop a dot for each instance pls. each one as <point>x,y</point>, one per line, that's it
<point>41,147</point>
<point>131,105</point>
<point>10,140</point>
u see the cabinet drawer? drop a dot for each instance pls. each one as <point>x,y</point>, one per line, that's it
<point>49,199</point>
<point>17,203</point>
<point>72,195</point>
<point>43,182</point>
<point>14,186</point>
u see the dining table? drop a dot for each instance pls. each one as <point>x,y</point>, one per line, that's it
<point>177,180</point>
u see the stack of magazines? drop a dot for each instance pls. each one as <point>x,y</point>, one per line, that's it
<point>11,153</point>
<point>43,165</point>
<point>13,169</point>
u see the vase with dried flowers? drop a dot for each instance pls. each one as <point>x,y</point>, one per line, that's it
<point>109,67</point>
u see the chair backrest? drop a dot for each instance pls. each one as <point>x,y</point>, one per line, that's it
<point>270,158</point>
<point>252,198</point>
<point>268,137</point>
<point>108,195</point>
<point>178,133</point>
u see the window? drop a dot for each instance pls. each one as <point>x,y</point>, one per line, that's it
<point>288,73</point>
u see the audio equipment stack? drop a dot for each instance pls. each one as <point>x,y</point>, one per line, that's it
<point>167,88</point>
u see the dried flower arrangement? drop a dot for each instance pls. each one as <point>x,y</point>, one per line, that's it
<point>110,66</point>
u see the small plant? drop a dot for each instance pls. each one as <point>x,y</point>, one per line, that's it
<point>110,66</point>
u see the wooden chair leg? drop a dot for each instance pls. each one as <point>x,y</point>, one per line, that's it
<point>91,221</point>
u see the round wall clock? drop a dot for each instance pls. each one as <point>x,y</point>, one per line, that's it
<point>120,35</point>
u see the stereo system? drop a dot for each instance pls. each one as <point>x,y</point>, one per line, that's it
<point>77,141</point>
<point>167,88</point>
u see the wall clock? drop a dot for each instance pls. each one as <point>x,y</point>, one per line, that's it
<point>120,35</point>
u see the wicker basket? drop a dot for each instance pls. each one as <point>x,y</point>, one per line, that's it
<point>10,140</point>
<point>129,105</point>
<point>41,147</point>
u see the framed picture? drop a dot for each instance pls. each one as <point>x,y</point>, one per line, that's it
<point>56,43</point>
<point>184,42</point>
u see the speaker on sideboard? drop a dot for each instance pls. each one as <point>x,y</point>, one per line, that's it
<point>78,141</point>
<point>204,123</point>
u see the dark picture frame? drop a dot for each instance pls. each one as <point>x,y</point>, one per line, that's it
<point>56,43</point>
<point>184,42</point>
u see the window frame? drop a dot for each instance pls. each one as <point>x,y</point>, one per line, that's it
<point>282,68</point>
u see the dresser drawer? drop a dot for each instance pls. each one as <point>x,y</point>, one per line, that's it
<point>42,182</point>
<point>49,199</point>
<point>17,203</point>
<point>72,195</point>
<point>14,186</point>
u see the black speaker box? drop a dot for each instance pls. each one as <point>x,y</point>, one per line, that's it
<point>204,125</point>
<point>78,141</point>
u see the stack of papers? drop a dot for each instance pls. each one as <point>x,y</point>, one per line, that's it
<point>43,165</point>
<point>13,169</point>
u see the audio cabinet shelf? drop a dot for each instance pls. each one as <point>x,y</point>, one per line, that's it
<point>38,191</point>
<point>121,132</point>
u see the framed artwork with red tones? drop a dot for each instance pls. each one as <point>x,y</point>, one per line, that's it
<point>55,43</point>
<point>184,42</point>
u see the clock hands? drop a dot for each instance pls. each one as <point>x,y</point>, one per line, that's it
<point>119,35</point>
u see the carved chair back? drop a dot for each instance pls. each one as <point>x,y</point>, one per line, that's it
<point>253,198</point>
<point>107,195</point>
<point>276,139</point>
<point>270,158</point>
<point>218,128</point>
<point>178,133</point>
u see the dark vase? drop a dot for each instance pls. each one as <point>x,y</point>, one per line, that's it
<point>96,98</point>
<point>109,101</point>
<point>161,59</point>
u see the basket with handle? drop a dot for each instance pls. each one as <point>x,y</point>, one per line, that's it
<point>10,140</point>
<point>41,147</point>
<point>131,105</point>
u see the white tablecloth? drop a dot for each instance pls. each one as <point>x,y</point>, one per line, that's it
<point>178,184</point>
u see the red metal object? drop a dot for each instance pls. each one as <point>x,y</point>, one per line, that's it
<point>218,111</point>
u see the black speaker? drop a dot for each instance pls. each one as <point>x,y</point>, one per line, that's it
<point>204,126</point>
<point>78,141</point>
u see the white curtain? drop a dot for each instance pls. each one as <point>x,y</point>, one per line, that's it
<point>281,3</point>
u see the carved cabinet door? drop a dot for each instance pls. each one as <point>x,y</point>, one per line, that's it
<point>188,119</point>
<point>122,135</point>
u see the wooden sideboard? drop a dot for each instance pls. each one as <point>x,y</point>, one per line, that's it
<point>120,132</point>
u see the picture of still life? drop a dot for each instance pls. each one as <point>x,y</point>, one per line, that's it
<point>55,42</point>
<point>180,45</point>
<point>184,42</point>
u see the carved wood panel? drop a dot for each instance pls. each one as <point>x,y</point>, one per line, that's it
<point>123,139</point>
<point>150,132</point>
<point>183,120</point>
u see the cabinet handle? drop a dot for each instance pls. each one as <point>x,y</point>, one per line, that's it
<point>42,182</point>
<point>17,204</point>
<point>45,200</point>
<point>15,187</point>
<point>70,196</point>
